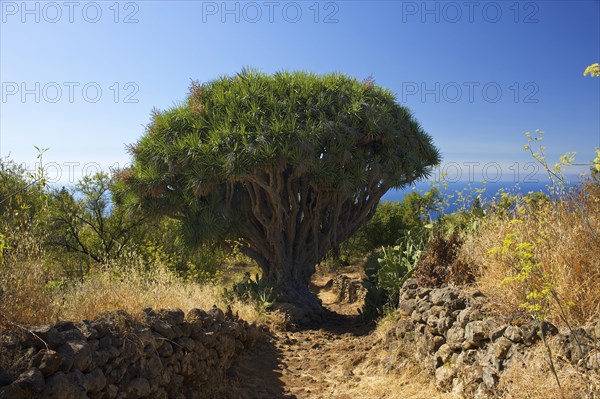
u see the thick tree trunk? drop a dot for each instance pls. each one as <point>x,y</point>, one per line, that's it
<point>293,295</point>
<point>291,226</point>
<point>290,282</point>
<point>301,305</point>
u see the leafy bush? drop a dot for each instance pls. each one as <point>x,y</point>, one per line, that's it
<point>255,292</point>
<point>23,202</point>
<point>390,223</point>
<point>200,263</point>
<point>397,265</point>
<point>393,220</point>
<point>87,227</point>
<point>388,269</point>
<point>61,250</point>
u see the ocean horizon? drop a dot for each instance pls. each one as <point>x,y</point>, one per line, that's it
<point>488,190</point>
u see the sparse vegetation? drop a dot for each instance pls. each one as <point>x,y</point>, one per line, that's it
<point>553,245</point>
<point>78,252</point>
<point>32,295</point>
<point>534,254</point>
<point>66,256</point>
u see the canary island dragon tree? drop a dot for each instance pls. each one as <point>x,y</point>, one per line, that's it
<point>289,164</point>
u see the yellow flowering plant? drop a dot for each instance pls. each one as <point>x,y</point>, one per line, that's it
<point>593,70</point>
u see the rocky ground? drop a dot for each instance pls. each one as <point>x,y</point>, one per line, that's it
<point>440,340</point>
<point>448,338</point>
<point>343,358</point>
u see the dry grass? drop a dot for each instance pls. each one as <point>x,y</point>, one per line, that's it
<point>385,326</point>
<point>533,379</point>
<point>410,378</point>
<point>31,294</point>
<point>566,240</point>
<point>409,383</point>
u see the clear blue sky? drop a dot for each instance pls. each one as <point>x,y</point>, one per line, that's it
<point>476,75</point>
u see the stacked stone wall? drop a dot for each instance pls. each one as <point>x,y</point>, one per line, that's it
<point>469,347</point>
<point>166,355</point>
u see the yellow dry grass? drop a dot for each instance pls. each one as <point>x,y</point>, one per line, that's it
<point>565,236</point>
<point>410,383</point>
<point>31,295</point>
<point>534,379</point>
<point>413,379</point>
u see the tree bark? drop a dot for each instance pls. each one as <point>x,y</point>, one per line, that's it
<point>290,282</point>
<point>292,226</point>
<point>295,299</point>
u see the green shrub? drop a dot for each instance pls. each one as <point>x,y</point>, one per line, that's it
<point>388,269</point>
<point>397,264</point>
<point>393,220</point>
<point>390,223</point>
<point>23,202</point>
<point>254,292</point>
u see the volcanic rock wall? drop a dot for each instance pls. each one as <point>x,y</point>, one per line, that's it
<point>469,347</point>
<point>167,355</point>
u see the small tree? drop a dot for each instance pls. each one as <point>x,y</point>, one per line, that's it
<point>23,202</point>
<point>291,163</point>
<point>83,221</point>
<point>393,220</point>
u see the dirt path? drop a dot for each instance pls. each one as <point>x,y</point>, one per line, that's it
<point>339,360</point>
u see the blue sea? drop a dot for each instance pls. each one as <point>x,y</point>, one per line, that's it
<point>469,191</point>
